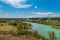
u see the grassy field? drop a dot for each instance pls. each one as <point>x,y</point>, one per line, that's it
<point>7,28</point>
<point>17,31</point>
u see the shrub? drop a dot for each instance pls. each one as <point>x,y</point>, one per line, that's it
<point>13,23</point>
<point>23,32</point>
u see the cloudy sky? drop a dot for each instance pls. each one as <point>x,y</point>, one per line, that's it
<point>29,8</point>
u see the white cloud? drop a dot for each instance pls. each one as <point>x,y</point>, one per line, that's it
<point>34,14</point>
<point>17,3</point>
<point>44,14</point>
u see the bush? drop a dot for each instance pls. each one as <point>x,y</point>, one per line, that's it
<point>13,23</point>
<point>23,32</point>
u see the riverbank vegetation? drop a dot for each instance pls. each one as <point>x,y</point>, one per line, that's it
<point>55,22</point>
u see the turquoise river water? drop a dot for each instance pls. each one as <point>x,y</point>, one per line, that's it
<point>43,30</point>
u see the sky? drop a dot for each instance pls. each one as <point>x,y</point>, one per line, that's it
<point>29,8</point>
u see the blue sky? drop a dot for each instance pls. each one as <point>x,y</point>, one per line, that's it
<point>29,8</point>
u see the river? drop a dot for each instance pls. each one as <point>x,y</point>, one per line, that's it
<point>43,30</point>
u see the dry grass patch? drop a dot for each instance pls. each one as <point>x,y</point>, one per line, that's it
<point>21,37</point>
<point>8,28</point>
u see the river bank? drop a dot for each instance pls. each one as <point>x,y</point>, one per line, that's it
<point>46,31</point>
